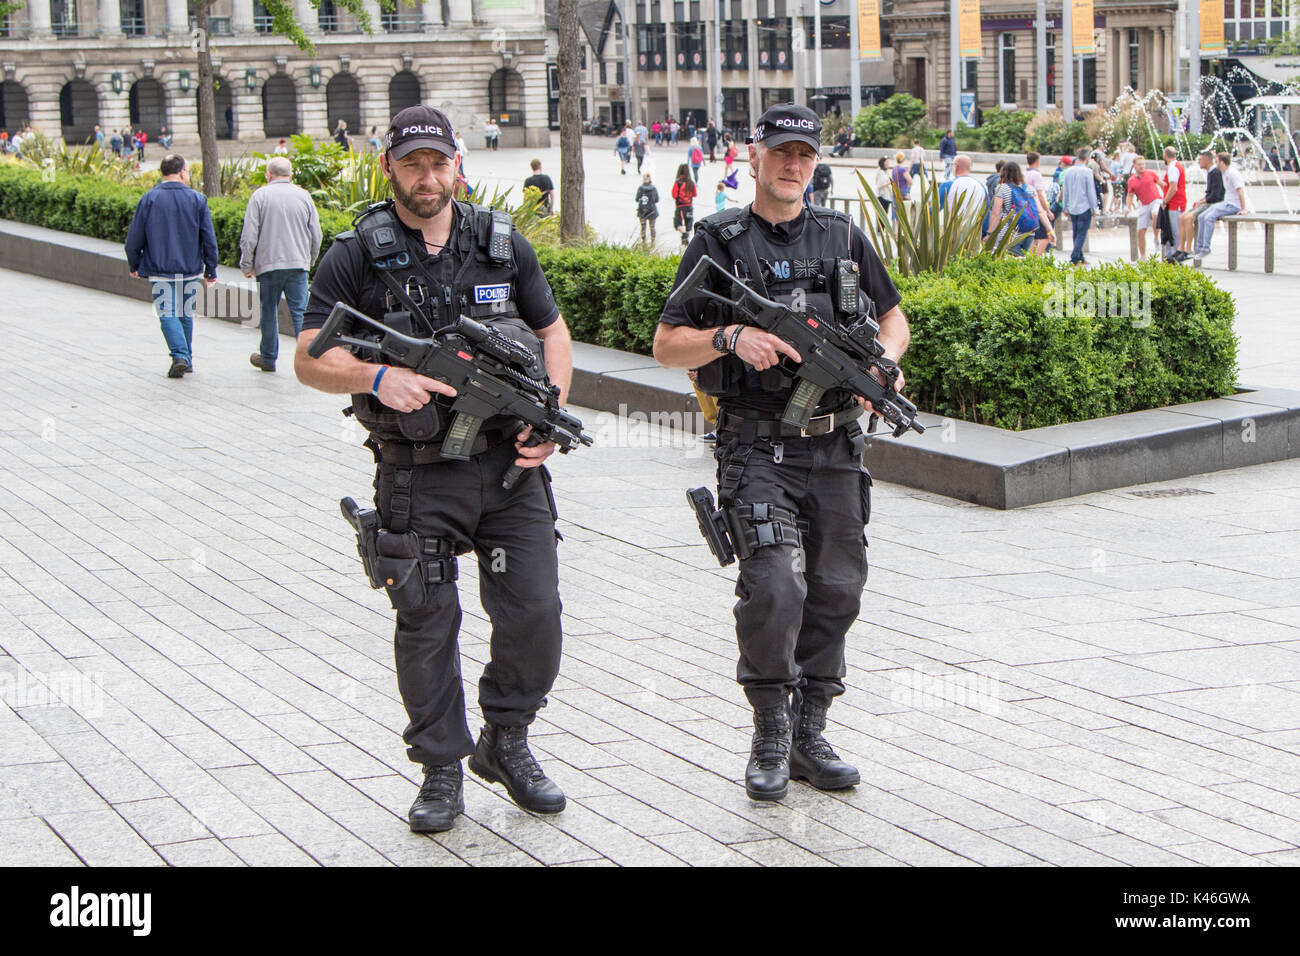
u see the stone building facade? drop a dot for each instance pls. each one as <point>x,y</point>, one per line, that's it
<point>1135,42</point>
<point>71,64</point>
<point>768,56</point>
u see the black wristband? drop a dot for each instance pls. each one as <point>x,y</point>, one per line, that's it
<point>735,337</point>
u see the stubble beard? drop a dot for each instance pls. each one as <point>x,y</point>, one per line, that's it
<point>423,208</point>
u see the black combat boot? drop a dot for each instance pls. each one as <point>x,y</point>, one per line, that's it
<point>768,775</point>
<point>441,799</point>
<point>812,758</point>
<point>502,756</point>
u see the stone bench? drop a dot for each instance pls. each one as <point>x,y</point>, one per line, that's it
<point>1270,222</point>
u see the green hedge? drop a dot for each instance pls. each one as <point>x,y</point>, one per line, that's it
<point>995,342</point>
<point>92,207</point>
<point>987,344</point>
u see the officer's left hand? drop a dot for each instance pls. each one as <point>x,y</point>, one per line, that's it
<point>530,456</point>
<point>879,376</point>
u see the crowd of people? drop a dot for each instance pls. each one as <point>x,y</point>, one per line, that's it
<point>1082,187</point>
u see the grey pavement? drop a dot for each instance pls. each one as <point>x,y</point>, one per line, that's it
<point>193,672</point>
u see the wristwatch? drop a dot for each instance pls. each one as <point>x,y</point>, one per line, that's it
<point>720,340</point>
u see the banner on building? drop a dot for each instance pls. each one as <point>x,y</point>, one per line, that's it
<point>869,30</point>
<point>1081,25</point>
<point>1211,28</point>
<point>968,31</point>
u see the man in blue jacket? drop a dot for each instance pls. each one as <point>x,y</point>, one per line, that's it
<point>171,243</point>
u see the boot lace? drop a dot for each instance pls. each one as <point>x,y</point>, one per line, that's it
<point>440,783</point>
<point>512,745</point>
<point>812,721</point>
<point>771,738</point>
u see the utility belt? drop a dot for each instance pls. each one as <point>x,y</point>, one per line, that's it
<point>752,425</point>
<point>403,454</point>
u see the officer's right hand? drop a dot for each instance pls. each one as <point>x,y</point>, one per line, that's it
<point>402,390</point>
<point>762,349</point>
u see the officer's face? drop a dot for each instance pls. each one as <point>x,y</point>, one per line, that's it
<point>783,172</point>
<point>423,180</point>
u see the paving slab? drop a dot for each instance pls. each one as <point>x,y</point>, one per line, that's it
<point>1106,680</point>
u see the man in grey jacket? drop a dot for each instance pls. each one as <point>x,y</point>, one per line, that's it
<point>1079,200</point>
<point>280,241</point>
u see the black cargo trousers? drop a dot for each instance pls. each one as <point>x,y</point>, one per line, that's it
<point>798,594</point>
<point>513,535</point>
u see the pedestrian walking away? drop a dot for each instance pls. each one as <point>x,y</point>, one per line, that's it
<point>822,182</point>
<point>171,242</point>
<point>1079,202</point>
<point>684,191</point>
<point>431,509</point>
<point>279,243</point>
<point>647,207</point>
<point>801,497</point>
<point>542,183</point>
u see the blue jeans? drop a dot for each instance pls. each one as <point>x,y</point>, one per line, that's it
<point>1079,223</point>
<point>1205,225</point>
<point>270,284</point>
<point>173,298</point>
<point>1020,247</point>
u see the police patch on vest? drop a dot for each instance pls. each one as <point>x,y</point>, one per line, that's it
<point>484,294</point>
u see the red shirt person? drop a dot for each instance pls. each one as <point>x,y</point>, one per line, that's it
<point>1144,189</point>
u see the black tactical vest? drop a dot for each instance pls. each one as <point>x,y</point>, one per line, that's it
<point>476,279</point>
<point>798,274</point>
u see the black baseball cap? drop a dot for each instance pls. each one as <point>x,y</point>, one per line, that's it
<point>787,123</point>
<point>419,127</point>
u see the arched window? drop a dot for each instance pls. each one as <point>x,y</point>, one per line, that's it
<point>279,107</point>
<point>13,106</point>
<point>78,111</point>
<point>148,106</point>
<point>343,101</point>
<point>403,91</point>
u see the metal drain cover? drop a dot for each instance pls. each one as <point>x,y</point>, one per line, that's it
<point>1170,493</point>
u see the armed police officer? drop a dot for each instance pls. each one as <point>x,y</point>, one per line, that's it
<point>427,259</point>
<point>799,498</point>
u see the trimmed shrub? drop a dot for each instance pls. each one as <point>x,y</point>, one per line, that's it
<point>1003,131</point>
<point>1023,343</point>
<point>1048,133</point>
<point>900,116</point>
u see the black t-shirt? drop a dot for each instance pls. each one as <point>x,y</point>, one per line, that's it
<point>1213,186</point>
<point>543,184</point>
<point>344,275</point>
<point>875,282</point>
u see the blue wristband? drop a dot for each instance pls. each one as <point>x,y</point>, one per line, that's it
<point>374,389</point>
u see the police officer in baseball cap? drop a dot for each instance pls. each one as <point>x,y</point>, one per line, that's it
<point>801,495</point>
<point>446,258</point>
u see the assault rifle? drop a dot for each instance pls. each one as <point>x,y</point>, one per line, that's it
<point>492,375</point>
<point>833,356</point>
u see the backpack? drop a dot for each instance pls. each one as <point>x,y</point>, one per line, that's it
<point>1026,208</point>
<point>697,156</point>
<point>821,177</point>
